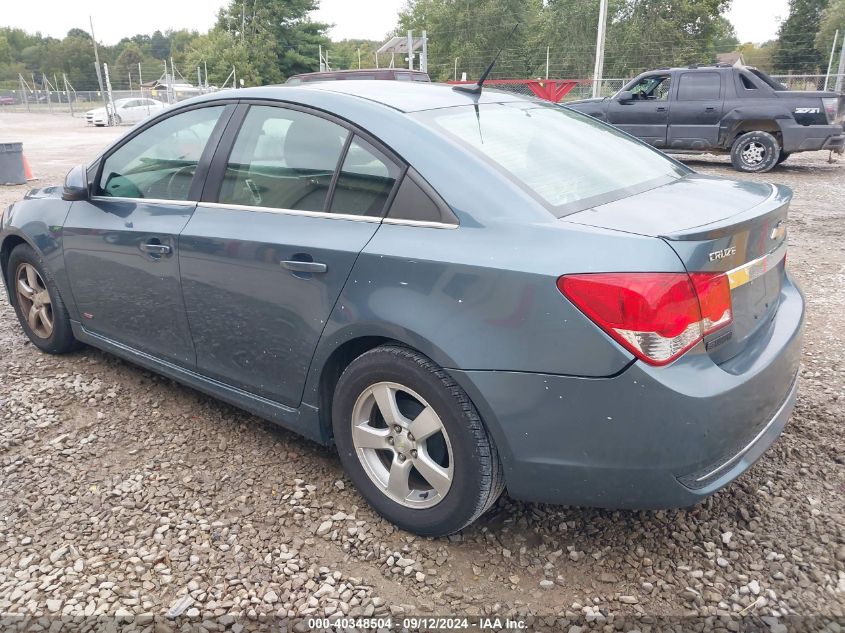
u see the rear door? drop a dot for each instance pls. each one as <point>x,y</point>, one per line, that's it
<point>647,115</point>
<point>120,245</point>
<point>291,199</point>
<point>696,110</point>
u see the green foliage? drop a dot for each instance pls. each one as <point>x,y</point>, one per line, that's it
<point>277,36</point>
<point>641,34</point>
<point>833,18</point>
<point>343,55</point>
<point>797,50</point>
<point>761,57</point>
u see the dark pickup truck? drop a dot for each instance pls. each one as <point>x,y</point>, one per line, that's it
<point>721,109</point>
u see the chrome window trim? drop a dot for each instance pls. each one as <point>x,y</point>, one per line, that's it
<point>419,223</point>
<point>179,203</point>
<point>327,215</point>
<point>299,212</point>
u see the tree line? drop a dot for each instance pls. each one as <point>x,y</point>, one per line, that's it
<point>269,40</point>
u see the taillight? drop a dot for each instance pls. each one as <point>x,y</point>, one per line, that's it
<point>830,107</point>
<point>657,316</point>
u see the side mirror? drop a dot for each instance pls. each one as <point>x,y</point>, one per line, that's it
<point>625,96</point>
<point>76,184</point>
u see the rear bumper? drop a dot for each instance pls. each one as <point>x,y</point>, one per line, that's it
<point>650,437</point>
<point>800,138</point>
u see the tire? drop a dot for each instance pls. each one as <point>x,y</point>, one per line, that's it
<point>783,156</point>
<point>58,338</point>
<point>755,152</point>
<point>424,395</point>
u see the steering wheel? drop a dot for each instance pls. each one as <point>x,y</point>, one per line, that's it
<point>186,170</point>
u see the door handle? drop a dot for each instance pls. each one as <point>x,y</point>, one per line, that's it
<point>661,109</point>
<point>156,249</point>
<point>709,109</point>
<point>298,266</point>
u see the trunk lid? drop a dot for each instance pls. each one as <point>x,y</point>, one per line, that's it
<point>714,225</point>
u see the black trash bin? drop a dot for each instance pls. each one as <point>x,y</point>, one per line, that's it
<point>11,164</point>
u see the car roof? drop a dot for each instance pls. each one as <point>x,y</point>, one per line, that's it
<point>398,95</point>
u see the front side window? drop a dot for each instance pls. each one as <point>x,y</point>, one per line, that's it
<point>365,181</point>
<point>283,159</point>
<point>699,86</point>
<point>651,88</point>
<point>566,160</point>
<point>160,161</point>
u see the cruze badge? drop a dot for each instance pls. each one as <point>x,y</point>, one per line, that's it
<point>779,231</point>
<point>722,254</point>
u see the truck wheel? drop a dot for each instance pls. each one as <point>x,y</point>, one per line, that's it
<point>783,156</point>
<point>755,152</point>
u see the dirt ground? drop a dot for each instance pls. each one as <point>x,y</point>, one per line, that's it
<point>124,495</point>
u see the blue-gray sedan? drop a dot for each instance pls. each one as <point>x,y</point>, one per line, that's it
<point>462,292</point>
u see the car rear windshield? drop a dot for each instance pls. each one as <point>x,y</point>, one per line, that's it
<point>566,160</point>
<point>769,81</point>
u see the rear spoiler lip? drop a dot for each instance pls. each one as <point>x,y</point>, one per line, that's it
<point>780,197</point>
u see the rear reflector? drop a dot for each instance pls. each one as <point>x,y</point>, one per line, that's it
<point>656,316</point>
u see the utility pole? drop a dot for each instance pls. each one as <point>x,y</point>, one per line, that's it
<point>320,52</point>
<point>111,116</point>
<point>548,50</point>
<point>410,50</point>
<point>97,63</point>
<point>359,59</point>
<point>841,70</point>
<point>424,57</point>
<point>830,61</point>
<point>67,94</point>
<point>599,69</point>
<point>455,77</point>
<point>205,69</point>
<point>24,91</point>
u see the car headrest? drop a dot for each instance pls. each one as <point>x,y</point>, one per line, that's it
<point>313,144</point>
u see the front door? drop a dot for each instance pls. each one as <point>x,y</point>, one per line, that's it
<point>121,246</point>
<point>264,259</point>
<point>646,116</point>
<point>697,111</point>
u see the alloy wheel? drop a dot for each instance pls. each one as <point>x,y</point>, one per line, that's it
<point>34,301</point>
<point>402,444</point>
<point>753,153</point>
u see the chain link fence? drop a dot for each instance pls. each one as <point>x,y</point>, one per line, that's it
<point>78,102</point>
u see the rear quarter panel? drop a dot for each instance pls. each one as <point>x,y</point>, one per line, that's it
<point>485,298</point>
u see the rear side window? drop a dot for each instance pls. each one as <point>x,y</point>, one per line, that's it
<point>365,182</point>
<point>160,161</point>
<point>413,202</point>
<point>747,82</point>
<point>699,86</point>
<point>283,159</point>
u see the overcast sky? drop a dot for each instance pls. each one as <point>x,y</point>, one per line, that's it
<point>755,20</point>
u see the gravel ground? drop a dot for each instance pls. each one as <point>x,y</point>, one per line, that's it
<point>126,496</point>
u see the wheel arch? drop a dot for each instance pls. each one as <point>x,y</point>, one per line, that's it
<point>10,242</point>
<point>331,361</point>
<point>736,123</point>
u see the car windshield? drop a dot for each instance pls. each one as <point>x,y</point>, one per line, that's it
<point>566,160</point>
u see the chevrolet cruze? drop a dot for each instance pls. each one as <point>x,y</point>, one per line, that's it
<point>462,292</point>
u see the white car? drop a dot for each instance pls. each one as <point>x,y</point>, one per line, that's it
<point>126,111</point>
